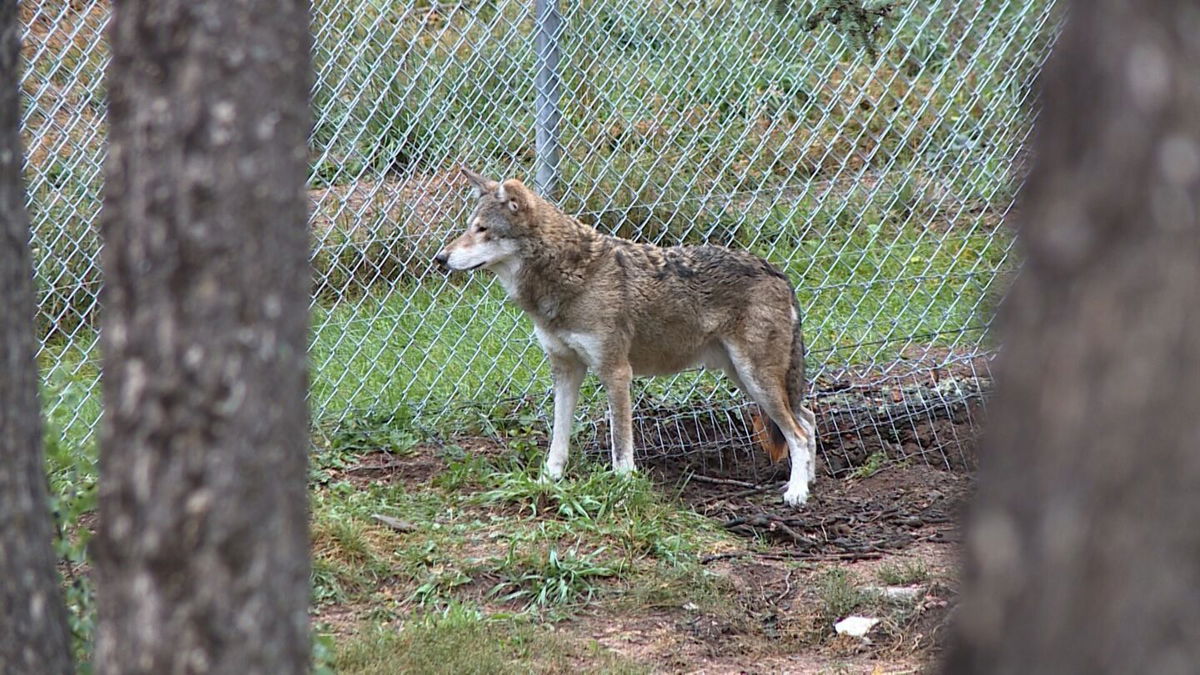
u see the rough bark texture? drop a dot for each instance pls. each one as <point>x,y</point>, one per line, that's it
<point>33,626</point>
<point>1083,548</point>
<point>202,551</point>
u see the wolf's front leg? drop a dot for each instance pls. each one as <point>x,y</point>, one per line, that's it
<point>568,376</point>
<point>616,381</point>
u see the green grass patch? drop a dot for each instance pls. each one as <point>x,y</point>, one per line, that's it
<point>463,639</point>
<point>874,464</point>
<point>489,531</point>
<point>906,573</point>
<point>554,578</point>
<point>840,594</point>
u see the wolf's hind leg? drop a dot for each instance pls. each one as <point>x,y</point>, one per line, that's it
<point>808,421</point>
<point>568,376</point>
<point>770,393</point>
<point>616,380</point>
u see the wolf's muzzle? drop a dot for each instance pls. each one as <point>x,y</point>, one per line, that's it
<point>443,260</point>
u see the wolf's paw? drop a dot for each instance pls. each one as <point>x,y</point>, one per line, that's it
<point>550,473</point>
<point>624,468</point>
<point>796,496</point>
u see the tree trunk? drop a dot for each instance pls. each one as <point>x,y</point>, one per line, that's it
<point>33,622</point>
<point>202,549</point>
<point>1083,545</point>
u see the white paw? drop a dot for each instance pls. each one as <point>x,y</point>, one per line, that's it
<point>551,472</point>
<point>624,468</point>
<point>796,496</point>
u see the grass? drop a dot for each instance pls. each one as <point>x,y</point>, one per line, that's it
<point>505,571</point>
<point>874,464</point>
<point>840,594</point>
<point>497,557</point>
<point>552,578</point>
<point>564,542</point>
<point>906,573</point>
<point>463,639</point>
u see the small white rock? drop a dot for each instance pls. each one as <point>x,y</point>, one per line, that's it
<point>857,626</point>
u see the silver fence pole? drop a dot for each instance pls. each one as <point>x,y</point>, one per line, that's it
<point>548,21</point>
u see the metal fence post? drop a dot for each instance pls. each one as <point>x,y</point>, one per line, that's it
<point>546,114</point>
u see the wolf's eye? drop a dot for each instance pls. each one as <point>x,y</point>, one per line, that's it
<point>483,228</point>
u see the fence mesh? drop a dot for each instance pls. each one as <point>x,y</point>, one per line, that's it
<point>870,149</point>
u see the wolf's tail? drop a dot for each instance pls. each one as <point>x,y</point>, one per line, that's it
<point>769,435</point>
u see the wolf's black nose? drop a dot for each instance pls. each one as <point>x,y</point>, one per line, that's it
<point>442,259</point>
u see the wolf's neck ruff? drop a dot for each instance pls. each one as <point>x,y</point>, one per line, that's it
<point>557,255</point>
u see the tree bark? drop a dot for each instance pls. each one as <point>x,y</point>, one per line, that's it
<point>1083,545</point>
<point>33,623</point>
<point>202,548</point>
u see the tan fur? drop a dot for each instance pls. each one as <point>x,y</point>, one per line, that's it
<point>769,437</point>
<point>621,309</point>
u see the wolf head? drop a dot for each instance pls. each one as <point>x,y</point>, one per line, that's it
<point>503,217</point>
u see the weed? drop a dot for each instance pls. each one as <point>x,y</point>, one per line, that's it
<point>839,594</point>
<point>598,494</point>
<point>356,436</point>
<point>438,585</point>
<point>327,586</point>
<point>628,511</point>
<point>554,579</point>
<point>905,573</point>
<point>348,558</point>
<point>874,464</point>
<point>462,470</point>
<point>668,585</point>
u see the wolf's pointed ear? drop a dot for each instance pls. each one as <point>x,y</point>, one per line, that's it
<point>515,195</point>
<point>479,184</point>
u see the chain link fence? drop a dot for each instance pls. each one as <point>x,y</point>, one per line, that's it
<point>870,149</point>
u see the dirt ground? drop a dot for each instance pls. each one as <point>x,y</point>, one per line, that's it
<point>904,516</point>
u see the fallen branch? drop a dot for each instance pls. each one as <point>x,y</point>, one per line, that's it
<point>795,555</point>
<point>723,481</point>
<point>395,523</point>
<point>740,493</point>
<point>382,466</point>
<point>724,556</point>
